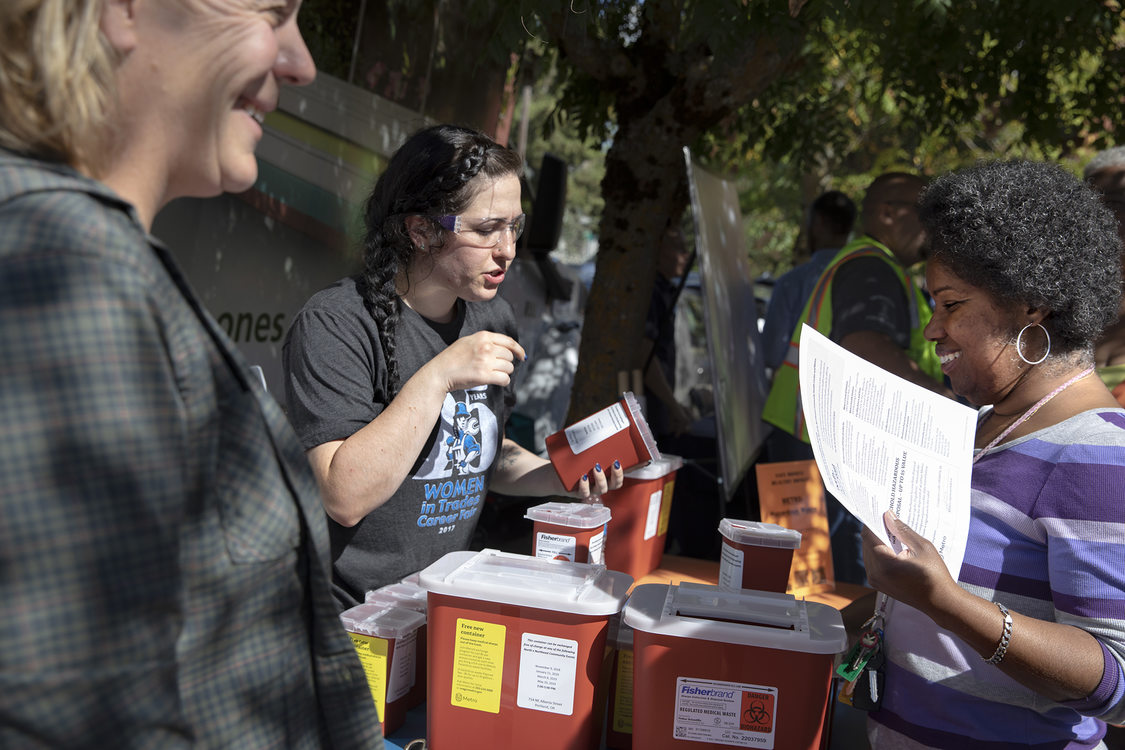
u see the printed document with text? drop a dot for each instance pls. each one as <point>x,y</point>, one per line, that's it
<point>882,442</point>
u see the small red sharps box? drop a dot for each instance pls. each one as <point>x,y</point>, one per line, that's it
<point>618,432</point>
<point>569,531</point>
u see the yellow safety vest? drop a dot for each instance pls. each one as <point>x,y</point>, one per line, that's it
<point>783,405</point>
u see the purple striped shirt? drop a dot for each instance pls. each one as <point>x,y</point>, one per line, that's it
<point>1047,539</point>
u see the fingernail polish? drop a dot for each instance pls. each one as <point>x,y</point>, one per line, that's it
<point>585,477</point>
<point>617,464</point>
<point>597,467</point>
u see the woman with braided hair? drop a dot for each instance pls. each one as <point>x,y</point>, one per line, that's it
<point>397,380</point>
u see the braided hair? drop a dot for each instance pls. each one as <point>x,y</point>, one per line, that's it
<point>434,173</point>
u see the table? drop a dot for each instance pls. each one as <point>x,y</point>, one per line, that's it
<point>847,722</point>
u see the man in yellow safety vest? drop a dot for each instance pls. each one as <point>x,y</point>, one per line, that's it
<point>866,301</point>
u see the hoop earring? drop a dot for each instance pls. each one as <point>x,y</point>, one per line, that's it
<point>1019,343</point>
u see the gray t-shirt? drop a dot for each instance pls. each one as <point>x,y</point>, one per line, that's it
<point>336,383</point>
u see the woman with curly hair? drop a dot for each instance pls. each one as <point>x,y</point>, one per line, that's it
<point>1027,646</point>
<point>397,379</point>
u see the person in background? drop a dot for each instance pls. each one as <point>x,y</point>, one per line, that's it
<point>163,553</point>
<point>696,504</point>
<point>1106,174</point>
<point>865,301</point>
<point>397,379</point>
<point>827,229</point>
<point>666,416</point>
<point>1025,645</point>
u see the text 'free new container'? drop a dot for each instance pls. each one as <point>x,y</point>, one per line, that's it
<point>517,648</point>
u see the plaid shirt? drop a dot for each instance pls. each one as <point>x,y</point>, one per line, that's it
<point>163,552</point>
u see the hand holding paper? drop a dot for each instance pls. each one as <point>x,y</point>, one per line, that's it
<point>914,574</point>
<point>882,443</point>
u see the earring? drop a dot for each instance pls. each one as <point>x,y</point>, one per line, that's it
<point>1019,343</point>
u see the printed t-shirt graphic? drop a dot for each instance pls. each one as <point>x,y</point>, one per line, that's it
<point>454,470</point>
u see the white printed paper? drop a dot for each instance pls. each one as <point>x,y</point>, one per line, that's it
<point>402,675</point>
<point>597,427</point>
<point>731,559</point>
<point>547,669</point>
<point>652,520</point>
<point>597,548</point>
<point>882,442</point>
<point>731,714</point>
<point>550,546</point>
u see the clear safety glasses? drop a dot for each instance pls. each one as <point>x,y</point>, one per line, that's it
<point>482,232</point>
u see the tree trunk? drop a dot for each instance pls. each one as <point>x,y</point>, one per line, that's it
<point>644,175</point>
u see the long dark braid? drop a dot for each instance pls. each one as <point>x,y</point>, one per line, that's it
<point>432,174</point>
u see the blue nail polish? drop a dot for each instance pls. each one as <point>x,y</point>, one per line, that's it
<point>585,477</point>
<point>617,464</point>
<point>597,467</point>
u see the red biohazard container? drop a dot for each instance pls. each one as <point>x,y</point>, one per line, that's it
<point>714,668</point>
<point>570,531</point>
<point>640,509</point>
<point>517,651</point>
<point>386,639</point>
<point>618,432</point>
<point>411,596</point>
<point>756,555</point>
<point>619,711</point>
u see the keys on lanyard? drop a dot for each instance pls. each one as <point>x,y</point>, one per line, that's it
<point>869,644</point>
<point>861,668</point>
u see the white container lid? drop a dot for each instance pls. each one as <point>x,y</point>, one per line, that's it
<point>760,534</point>
<point>381,620</point>
<point>746,618</point>
<point>576,515</point>
<point>639,420</point>
<point>507,578</point>
<point>409,595</point>
<point>660,467</point>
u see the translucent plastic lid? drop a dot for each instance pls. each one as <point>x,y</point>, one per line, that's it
<point>660,467</point>
<point>576,515</point>
<point>409,595</point>
<point>508,578</point>
<point>748,618</point>
<point>638,416</point>
<point>620,635</point>
<point>760,534</point>
<point>381,620</point>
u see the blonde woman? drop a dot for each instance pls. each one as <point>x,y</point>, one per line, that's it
<point>162,552</point>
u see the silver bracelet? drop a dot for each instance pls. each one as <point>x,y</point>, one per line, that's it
<point>1005,637</point>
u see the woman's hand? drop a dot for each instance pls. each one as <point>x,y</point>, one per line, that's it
<point>916,576</point>
<point>485,358</point>
<point>597,482</point>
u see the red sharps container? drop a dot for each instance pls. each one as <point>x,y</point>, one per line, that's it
<point>570,531</point>
<point>714,668</point>
<point>756,555</point>
<point>517,651</point>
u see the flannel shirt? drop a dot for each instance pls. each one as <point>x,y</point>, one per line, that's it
<point>163,551</point>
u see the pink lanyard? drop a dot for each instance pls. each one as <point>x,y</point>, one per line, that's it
<point>1027,414</point>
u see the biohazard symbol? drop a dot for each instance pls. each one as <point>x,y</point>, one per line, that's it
<point>757,711</point>
<point>756,714</point>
